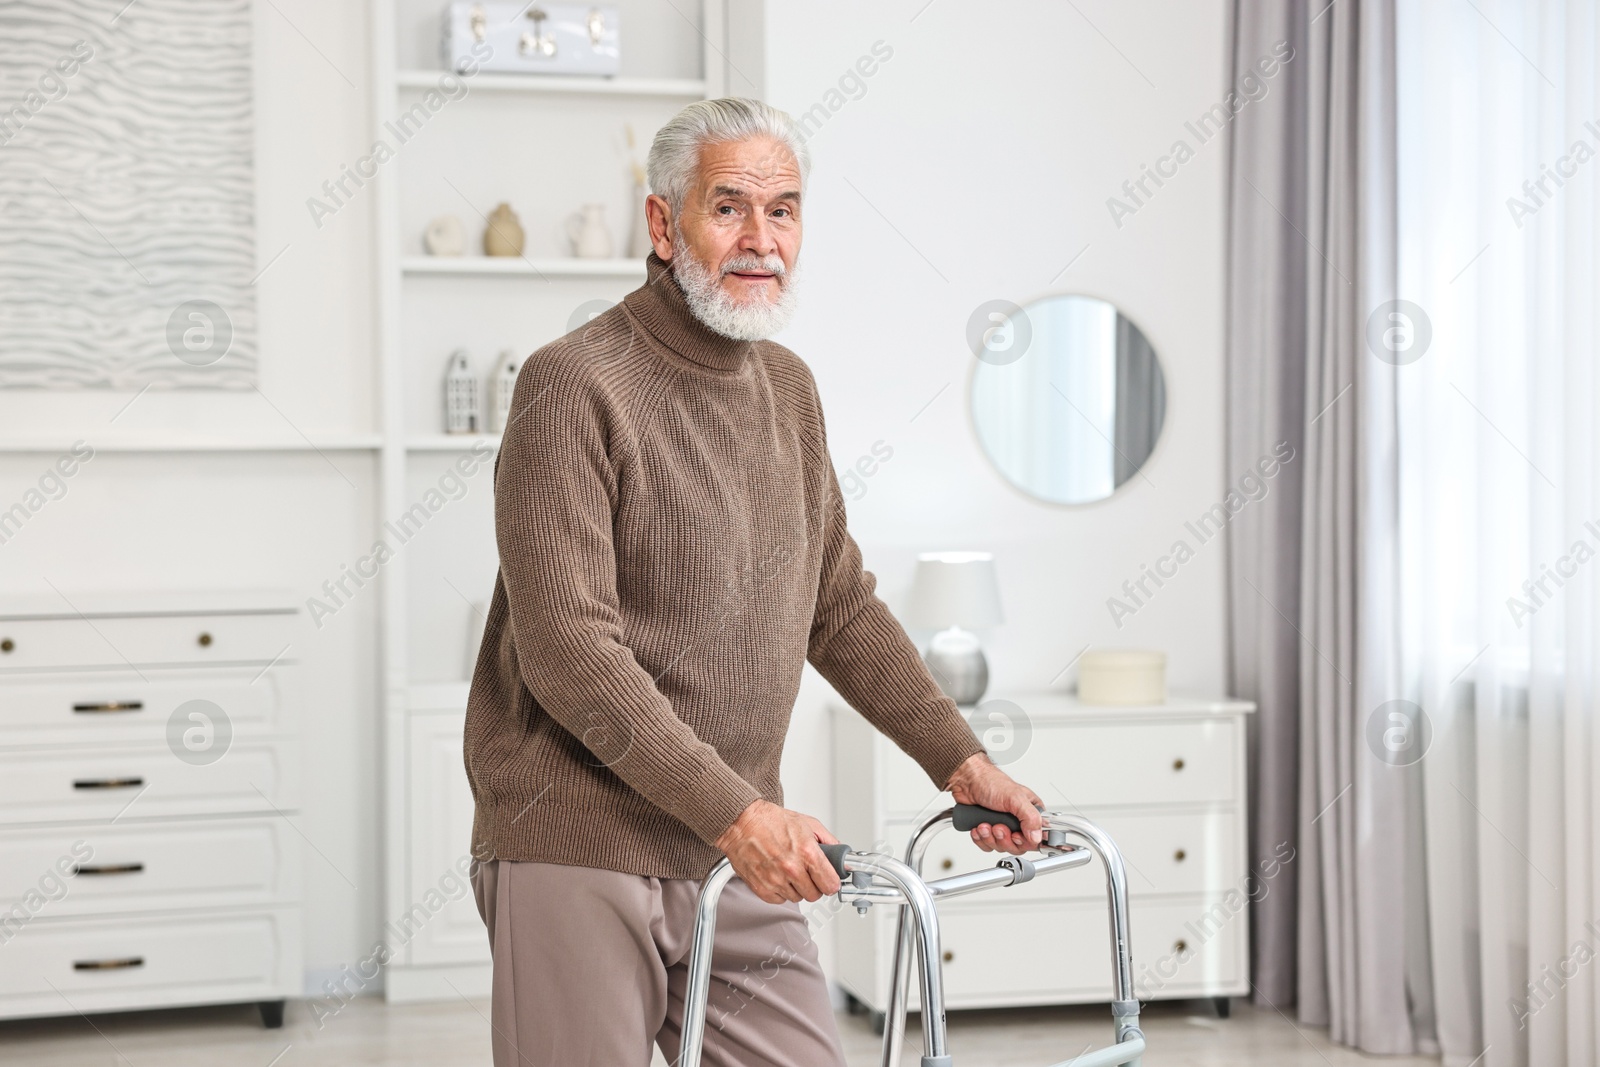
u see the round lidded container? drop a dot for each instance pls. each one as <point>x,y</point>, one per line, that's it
<point>1122,676</point>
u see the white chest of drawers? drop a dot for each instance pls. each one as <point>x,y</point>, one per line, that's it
<point>148,771</point>
<point>1166,781</point>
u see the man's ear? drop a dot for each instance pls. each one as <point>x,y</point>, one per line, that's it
<point>658,213</point>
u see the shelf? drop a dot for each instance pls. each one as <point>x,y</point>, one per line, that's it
<point>679,88</point>
<point>451,442</point>
<point>437,696</point>
<point>122,603</point>
<point>552,267</point>
<point>352,443</point>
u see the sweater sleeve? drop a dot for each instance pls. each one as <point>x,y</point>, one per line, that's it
<point>555,490</point>
<point>859,646</point>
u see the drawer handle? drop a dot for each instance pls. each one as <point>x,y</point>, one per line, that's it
<point>1180,855</point>
<point>7,645</point>
<point>946,863</point>
<point>204,640</point>
<point>108,868</point>
<point>948,955</point>
<point>1180,946</point>
<point>109,705</point>
<point>108,965</point>
<point>107,783</point>
<point>1177,764</point>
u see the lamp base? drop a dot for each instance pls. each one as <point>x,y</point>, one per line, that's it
<point>956,661</point>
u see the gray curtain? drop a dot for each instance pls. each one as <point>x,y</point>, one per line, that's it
<point>1312,612</point>
<point>1266,327</point>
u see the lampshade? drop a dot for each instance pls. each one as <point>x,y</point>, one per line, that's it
<point>954,589</point>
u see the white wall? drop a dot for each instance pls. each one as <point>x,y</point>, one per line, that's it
<point>976,165</point>
<point>990,141</point>
<point>140,521</point>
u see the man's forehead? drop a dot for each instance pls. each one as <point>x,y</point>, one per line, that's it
<point>756,165</point>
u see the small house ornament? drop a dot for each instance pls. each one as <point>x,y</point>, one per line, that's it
<point>460,395</point>
<point>502,383</point>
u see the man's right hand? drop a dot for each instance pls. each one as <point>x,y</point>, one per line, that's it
<point>775,851</point>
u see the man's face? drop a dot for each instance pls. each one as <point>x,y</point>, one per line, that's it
<point>744,207</point>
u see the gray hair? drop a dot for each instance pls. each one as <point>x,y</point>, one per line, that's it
<point>675,153</point>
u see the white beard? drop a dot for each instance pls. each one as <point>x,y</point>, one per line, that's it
<point>752,320</point>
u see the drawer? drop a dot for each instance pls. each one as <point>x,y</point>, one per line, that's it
<point>128,866</point>
<point>123,640</point>
<point>143,782</point>
<point>1099,764</point>
<point>1182,853</point>
<point>1061,953</point>
<point>1069,953</point>
<point>106,964</point>
<point>107,706</point>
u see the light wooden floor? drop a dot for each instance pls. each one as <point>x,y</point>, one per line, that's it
<point>456,1034</point>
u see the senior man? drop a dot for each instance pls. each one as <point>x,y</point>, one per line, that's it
<point>672,551</point>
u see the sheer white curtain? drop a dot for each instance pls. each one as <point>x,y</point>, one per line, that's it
<point>1499,168</point>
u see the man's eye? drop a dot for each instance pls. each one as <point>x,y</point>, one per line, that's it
<point>781,213</point>
<point>725,209</point>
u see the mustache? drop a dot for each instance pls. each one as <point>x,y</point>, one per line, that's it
<point>746,261</point>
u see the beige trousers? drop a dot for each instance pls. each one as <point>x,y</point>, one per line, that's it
<point>591,965</point>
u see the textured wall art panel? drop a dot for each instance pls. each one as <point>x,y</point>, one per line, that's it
<point>127,216</point>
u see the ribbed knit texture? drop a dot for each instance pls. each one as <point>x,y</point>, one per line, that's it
<point>672,549</point>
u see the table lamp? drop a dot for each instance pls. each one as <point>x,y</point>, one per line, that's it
<point>955,593</point>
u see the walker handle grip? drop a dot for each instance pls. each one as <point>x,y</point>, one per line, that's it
<point>835,854</point>
<point>970,816</point>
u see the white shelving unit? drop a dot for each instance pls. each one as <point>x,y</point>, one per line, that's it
<point>452,442</point>
<point>190,443</point>
<point>496,265</point>
<point>545,145</point>
<point>683,88</point>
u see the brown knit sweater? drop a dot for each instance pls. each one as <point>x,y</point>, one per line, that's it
<point>672,550</point>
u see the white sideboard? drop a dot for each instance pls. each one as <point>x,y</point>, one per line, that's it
<point>148,772</point>
<point>1166,781</point>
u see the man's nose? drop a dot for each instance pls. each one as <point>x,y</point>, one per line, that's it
<point>758,236</point>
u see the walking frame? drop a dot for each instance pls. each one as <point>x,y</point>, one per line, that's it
<point>869,878</point>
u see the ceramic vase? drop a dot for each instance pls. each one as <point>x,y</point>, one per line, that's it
<point>591,239</point>
<point>503,236</point>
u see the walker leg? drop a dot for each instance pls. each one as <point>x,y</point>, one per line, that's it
<point>699,986</point>
<point>1125,1008</point>
<point>919,902</point>
<point>918,914</point>
<point>894,1029</point>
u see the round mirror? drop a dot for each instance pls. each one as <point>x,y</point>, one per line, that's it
<point>1067,397</point>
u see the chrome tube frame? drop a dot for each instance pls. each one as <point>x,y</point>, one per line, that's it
<point>918,907</point>
<point>894,1020</point>
<point>705,933</point>
<point>1124,1009</point>
<point>919,921</point>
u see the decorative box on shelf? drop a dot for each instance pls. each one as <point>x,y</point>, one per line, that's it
<point>532,38</point>
<point>148,772</point>
<point>1166,781</point>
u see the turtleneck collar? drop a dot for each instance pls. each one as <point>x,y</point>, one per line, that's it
<point>663,310</point>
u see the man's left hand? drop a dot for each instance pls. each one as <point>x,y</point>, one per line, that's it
<point>979,781</point>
